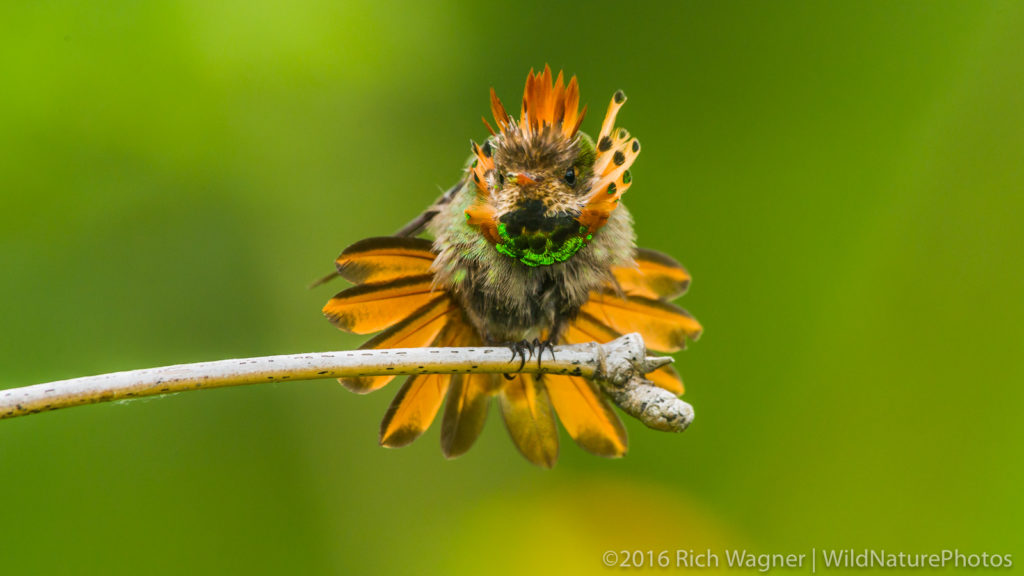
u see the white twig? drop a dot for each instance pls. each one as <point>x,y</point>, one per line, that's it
<point>619,366</point>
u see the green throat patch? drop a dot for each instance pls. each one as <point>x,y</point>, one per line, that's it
<point>541,248</point>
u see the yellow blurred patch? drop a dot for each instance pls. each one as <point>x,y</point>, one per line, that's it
<point>568,529</point>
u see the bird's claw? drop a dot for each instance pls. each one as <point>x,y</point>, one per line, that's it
<point>524,349</point>
<point>541,346</point>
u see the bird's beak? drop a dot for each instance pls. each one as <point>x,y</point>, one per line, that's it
<point>524,180</point>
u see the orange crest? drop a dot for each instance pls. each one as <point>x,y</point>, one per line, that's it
<point>545,103</point>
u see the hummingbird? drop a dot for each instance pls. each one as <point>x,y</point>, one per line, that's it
<point>530,248</point>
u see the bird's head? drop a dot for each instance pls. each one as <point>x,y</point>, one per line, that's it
<point>543,188</point>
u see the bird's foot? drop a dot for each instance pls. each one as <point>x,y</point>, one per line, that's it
<point>523,348</point>
<point>542,345</point>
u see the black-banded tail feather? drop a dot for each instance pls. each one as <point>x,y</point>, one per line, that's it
<point>372,307</point>
<point>654,275</point>
<point>664,326</point>
<point>416,331</point>
<point>385,258</point>
<point>416,404</point>
<point>381,258</point>
<point>465,412</point>
<point>586,415</point>
<point>530,419</point>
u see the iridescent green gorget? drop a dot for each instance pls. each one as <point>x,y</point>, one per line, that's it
<point>540,249</point>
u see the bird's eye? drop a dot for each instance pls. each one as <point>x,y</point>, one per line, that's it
<point>570,176</point>
<point>501,178</point>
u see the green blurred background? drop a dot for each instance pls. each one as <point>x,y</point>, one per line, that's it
<point>842,180</point>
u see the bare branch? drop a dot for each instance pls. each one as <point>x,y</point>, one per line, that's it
<point>618,366</point>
